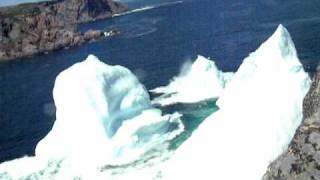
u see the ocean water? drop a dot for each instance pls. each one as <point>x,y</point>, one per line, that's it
<point>154,43</point>
<point>193,115</point>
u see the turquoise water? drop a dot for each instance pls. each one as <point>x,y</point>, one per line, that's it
<point>192,116</point>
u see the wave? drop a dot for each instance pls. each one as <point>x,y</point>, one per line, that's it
<point>140,33</point>
<point>199,81</point>
<point>146,8</point>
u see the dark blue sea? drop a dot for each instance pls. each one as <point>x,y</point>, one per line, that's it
<point>153,43</point>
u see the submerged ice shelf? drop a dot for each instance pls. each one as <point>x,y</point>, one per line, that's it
<point>105,118</point>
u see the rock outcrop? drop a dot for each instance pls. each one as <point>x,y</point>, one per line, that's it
<point>39,27</point>
<point>302,159</point>
<point>88,10</point>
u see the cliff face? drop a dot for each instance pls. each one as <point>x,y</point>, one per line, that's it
<point>302,160</point>
<point>32,28</point>
<point>88,10</point>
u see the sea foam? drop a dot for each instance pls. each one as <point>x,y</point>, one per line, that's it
<point>201,81</point>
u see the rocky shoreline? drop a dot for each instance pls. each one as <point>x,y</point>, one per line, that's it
<point>302,159</point>
<point>33,28</point>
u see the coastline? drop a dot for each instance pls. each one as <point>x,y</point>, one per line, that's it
<point>34,28</point>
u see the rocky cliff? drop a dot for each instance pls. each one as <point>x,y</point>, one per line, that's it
<point>76,11</point>
<point>302,159</point>
<point>39,27</point>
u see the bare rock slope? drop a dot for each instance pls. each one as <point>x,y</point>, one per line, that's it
<point>302,160</point>
<point>39,27</point>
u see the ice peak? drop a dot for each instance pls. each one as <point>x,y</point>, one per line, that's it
<point>203,64</point>
<point>201,58</point>
<point>281,29</point>
<point>280,35</point>
<point>92,57</point>
<point>280,43</point>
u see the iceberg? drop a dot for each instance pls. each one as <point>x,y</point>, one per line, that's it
<point>107,128</point>
<point>260,109</point>
<point>104,118</point>
<point>201,81</point>
<point>95,103</point>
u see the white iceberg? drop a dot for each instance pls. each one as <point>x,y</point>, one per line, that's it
<point>104,118</point>
<point>201,81</point>
<point>93,101</point>
<point>104,112</point>
<point>260,109</point>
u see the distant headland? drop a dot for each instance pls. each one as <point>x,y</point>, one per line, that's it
<point>33,28</point>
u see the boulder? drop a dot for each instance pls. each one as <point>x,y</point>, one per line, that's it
<point>92,34</point>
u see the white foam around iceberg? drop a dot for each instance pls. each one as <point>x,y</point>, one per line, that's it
<point>260,109</point>
<point>202,81</point>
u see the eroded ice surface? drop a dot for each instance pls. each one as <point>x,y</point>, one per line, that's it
<point>260,109</point>
<point>93,100</point>
<point>201,81</point>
